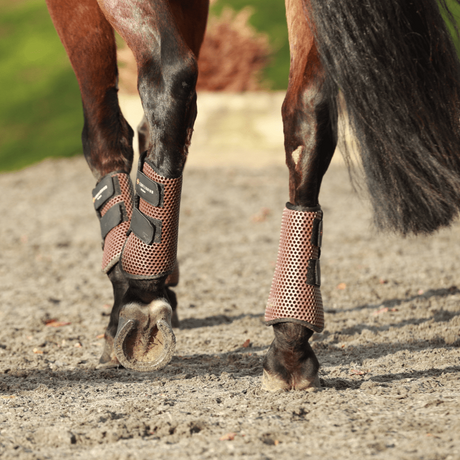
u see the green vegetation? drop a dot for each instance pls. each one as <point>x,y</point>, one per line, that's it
<point>454,7</point>
<point>40,109</point>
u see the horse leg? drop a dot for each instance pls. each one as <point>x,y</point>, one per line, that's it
<point>294,307</point>
<point>172,280</point>
<point>107,138</point>
<point>165,39</point>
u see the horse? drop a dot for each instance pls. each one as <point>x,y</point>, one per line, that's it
<point>394,63</point>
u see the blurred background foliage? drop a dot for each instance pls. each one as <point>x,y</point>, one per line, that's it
<point>40,106</point>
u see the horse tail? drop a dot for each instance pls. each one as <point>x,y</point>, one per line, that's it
<point>396,65</point>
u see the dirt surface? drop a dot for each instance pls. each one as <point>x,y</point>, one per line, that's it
<point>390,351</point>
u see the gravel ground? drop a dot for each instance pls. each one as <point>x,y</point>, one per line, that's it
<point>390,351</point>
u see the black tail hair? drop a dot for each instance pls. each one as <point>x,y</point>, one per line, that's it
<point>397,67</point>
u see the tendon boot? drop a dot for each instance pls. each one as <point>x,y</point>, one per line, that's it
<point>295,307</point>
<point>113,199</point>
<point>295,294</point>
<point>144,340</point>
<point>151,248</point>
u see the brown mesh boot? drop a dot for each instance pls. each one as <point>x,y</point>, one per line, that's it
<point>151,247</point>
<point>113,201</point>
<point>295,294</point>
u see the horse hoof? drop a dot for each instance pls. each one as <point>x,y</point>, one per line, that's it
<point>145,341</point>
<point>272,383</point>
<point>112,364</point>
<point>108,360</point>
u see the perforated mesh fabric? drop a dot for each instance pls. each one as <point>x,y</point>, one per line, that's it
<point>290,295</point>
<point>115,239</point>
<point>158,259</point>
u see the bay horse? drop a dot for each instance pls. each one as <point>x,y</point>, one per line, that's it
<point>396,66</point>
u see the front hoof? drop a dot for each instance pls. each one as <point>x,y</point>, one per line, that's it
<point>108,360</point>
<point>145,341</point>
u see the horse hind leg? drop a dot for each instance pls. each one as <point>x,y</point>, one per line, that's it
<point>107,138</point>
<point>294,307</point>
<point>165,40</point>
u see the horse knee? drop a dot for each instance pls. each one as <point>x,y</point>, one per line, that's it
<point>169,100</point>
<point>176,79</point>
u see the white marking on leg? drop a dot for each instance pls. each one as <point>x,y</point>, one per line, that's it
<point>297,153</point>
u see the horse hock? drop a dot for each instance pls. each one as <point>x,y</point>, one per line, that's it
<point>295,307</point>
<point>144,340</point>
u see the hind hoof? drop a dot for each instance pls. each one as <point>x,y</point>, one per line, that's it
<point>272,383</point>
<point>145,341</point>
<point>290,363</point>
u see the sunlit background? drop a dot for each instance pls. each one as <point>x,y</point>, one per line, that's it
<point>40,107</point>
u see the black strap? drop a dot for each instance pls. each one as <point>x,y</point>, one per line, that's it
<point>111,219</point>
<point>149,190</point>
<point>317,232</point>
<point>103,192</point>
<point>314,273</point>
<point>145,228</point>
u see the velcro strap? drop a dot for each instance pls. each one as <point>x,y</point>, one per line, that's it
<point>149,190</point>
<point>317,232</point>
<point>111,219</point>
<point>103,191</point>
<point>145,228</point>
<point>314,273</point>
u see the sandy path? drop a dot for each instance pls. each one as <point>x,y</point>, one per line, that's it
<point>390,353</point>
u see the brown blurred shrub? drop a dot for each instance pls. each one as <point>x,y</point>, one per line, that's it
<point>232,56</point>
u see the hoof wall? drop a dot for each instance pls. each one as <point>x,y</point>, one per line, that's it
<point>145,341</point>
<point>108,360</point>
<point>273,383</point>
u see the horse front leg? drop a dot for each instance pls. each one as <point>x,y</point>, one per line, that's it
<point>165,39</point>
<point>107,138</point>
<point>295,306</point>
<point>143,131</point>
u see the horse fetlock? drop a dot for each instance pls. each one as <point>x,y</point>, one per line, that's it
<point>172,298</point>
<point>144,340</point>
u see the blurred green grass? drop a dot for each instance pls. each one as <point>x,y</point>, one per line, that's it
<point>40,106</point>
